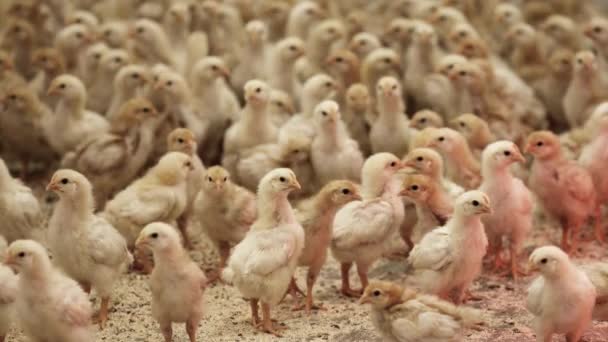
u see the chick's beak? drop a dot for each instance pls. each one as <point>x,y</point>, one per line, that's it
<point>529,149</point>
<point>532,267</point>
<point>365,299</point>
<point>225,73</point>
<point>518,157</point>
<point>52,186</point>
<point>9,261</point>
<point>486,209</point>
<point>142,241</point>
<point>295,185</point>
<point>53,90</point>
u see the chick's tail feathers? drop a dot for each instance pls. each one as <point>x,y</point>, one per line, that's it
<point>469,317</point>
<point>227,275</point>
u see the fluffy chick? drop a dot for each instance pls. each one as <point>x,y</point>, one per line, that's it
<point>560,282</point>
<point>19,208</point>
<point>224,211</point>
<point>363,43</point>
<point>390,132</point>
<point>85,246</point>
<point>426,118</point>
<point>316,215</point>
<point>177,283</point>
<point>380,62</point>
<point>564,188</point>
<point>513,203</point>
<point>475,130</point>
<point>362,228</point>
<point>252,55</point>
<point>357,114</point>
<point>150,43</point>
<point>61,310</point>
<point>75,123</point>
<point>449,258</point>
<point>281,63</point>
<point>302,16</point>
<point>429,162</point>
<point>553,86</point>
<point>129,82</point>
<point>462,166</point>
<point>50,64</point>
<point>262,265</point>
<point>401,314</point>
<point>8,294</point>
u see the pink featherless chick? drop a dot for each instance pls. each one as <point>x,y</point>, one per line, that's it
<point>564,188</point>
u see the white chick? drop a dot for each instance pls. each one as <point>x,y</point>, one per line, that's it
<point>316,89</point>
<point>363,228</point>
<point>424,53</point>
<point>302,17</point>
<point>50,64</point>
<point>281,108</point>
<point>252,55</point>
<point>561,298</point>
<point>83,17</point>
<point>254,128</point>
<point>281,63</point>
<point>403,315</point>
<point>128,83</point>
<point>513,202</point>
<point>177,283</point>
<point>112,160</point>
<point>333,153</point>
<point>114,34</point>
<point>90,62</point>
<point>430,163</point>
<point>100,93</point>
<point>71,41</point>
<point>363,43</point>
<point>316,215</point>
<point>390,132</point>
<point>8,294</point>
<point>449,258</point>
<point>75,123</point>
<point>85,246</point>
<point>462,167</point>
<point>151,44</point>
<point>159,196</point>
<point>344,65</point>
<point>176,24</point>
<point>262,265</point>
<point>426,118</point>
<point>214,101</point>
<point>224,211</point>
<point>379,63</point>
<point>49,305</point>
<point>19,209</point>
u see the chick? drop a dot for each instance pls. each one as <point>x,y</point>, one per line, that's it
<point>19,35</point>
<point>318,46</point>
<point>316,215</point>
<point>281,63</point>
<point>177,283</point>
<point>75,123</point>
<point>441,94</point>
<point>224,211</point>
<point>527,57</point>
<point>176,24</point>
<point>424,52</point>
<point>254,128</point>
<point>401,314</point>
<point>357,114</point>
<point>114,34</point>
<point>513,203</point>
<point>50,64</point>
<point>48,297</point>
<point>281,108</point>
<point>462,167</point>
<point>475,130</point>
<point>150,43</point>
<point>72,41</point>
<point>90,63</point>
<point>83,17</point>
<point>597,272</point>
<point>8,294</point>
<point>214,101</point>
<point>112,160</point>
<point>85,246</point>
<point>363,228</point>
<point>564,188</point>
<point>302,16</point>
<point>560,282</point>
<point>183,140</point>
<point>562,32</point>
<point>448,259</point>
<point>110,64</point>
<point>587,88</point>
<point>390,132</point>
<point>129,82</point>
<point>262,265</point>
<point>380,62</point>
<point>334,154</point>
<point>552,88</point>
<point>596,30</point>
<point>274,14</point>
<point>344,65</point>
<point>399,34</point>
<point>426,118</point>
<point>159,196</point>
<point>429,162</point>
<point>252,55</point>
<point>8,75</point>
<point>363,43</point>
<point>20,209</point>
<point>433,206</point>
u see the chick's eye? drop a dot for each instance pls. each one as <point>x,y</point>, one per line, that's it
<point>154,235</point>
<point>140,30</point>
<point>225,179</point>
<point>258,90</point>
<point>540,143</point>
<point>78,35</point>
<point>324,113</point>
<point>475,203</point>
<point>419,159</point>
<point>169,83</point>
<point>180,140</point>
<point>21,254</point>
<point>441,139</point>
<point>414,187</point>
<point>296,151</point>
<point>423,120</point>
<point>544,261</point>
<point>345,191</point>
<point>376,293</point>
<point>282,179</point>
<point>13,97</point>
<point>214,67</point>
<point>210,179</point>
<point>146,110</point>
<point>64,181</point>
<point>507,153</point>
<point>328,84</point>
<point>393,164</point>
<point>62,86</point>
<point>597,29</point>
<point>387,60</point>
<point>135,75</point>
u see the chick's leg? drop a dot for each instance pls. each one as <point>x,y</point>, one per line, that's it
<point>362,272</point>
<point>102,316</point>
<point>223,248</point>
<point>600,234</point>
<point>191,327</point>
<point>573,336</point>
<point>346,290</point>
<point>255,317</point>
<point>311,279</point>
<point>167,331</point>
<point>267,325</point>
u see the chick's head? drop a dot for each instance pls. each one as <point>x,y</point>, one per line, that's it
<point>501,154</point>
<point>327,114</point>
<point>417,186</point>
<point>158,237</point>
<point>340,192</point>
<point>507,14</point>
<point>448,62</point>
<point>424,34</point>
<point>399,30</point>
<point>426,118</point>
<point>19,30</point>
<point>585,63</point>
<point>597,30</point>
<point>210,68</point>
<point>290,49</point>
<point>216,179</point>
<point>561,62</point>
<point>182,140</point>
<point>69,184</point>
<point>380,167</point>
<point>445,140</point>
<point>382,60</point>
<point>67,87</point>
<point>257,93</point>
<point>388,89</point>
<point>342,61</point>
<point>549,260</point>
<point>114,59</point>
<point>469,125</point>
<point>295,148</point>
<point>75,36</point>
<point>172,168</point>
<point>382,294</point>
<point>320,87</point>
<point>25,256</point>
<point>257,32</point>
<point>145,31</point>
<point>543,145</point>
<point>279,181</point>
<point>132,113</point>
<point>132,76</point>
<point>48,59</point>
<point>83,17</point>
<point>357,97</point>
<point>363,43</point>
<point>19,99</point>
<point>281,102</point>
<point>172,84</point>
<point>473,203</point>
<point>94,53</point>
<point>424,160</point>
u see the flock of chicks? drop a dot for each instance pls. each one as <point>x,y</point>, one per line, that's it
<point>301,101</point>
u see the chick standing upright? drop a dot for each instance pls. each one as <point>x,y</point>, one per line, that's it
<point>8,294</point>
<point>390,132</point>
<point>177,283</point>
<point>561,298</point>
<point>363,228</point>
<point>263,264</point>
<point>449,258</point>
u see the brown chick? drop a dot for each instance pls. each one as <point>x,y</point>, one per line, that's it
<point>564,188</point>
<point>344,66</point>
<point>552,87</point>
<point>9,77</point>
<point>50,64</point>
<point>562,32</point>
<point>19,36</point>
<point>426,118</point>
<point>357,115</point>
<point>316,215</point>
<point>475,130</point>
<point>527,57</point>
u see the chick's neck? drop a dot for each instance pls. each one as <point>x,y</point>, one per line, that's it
<point>275,207</point>
<point>71,107</point>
